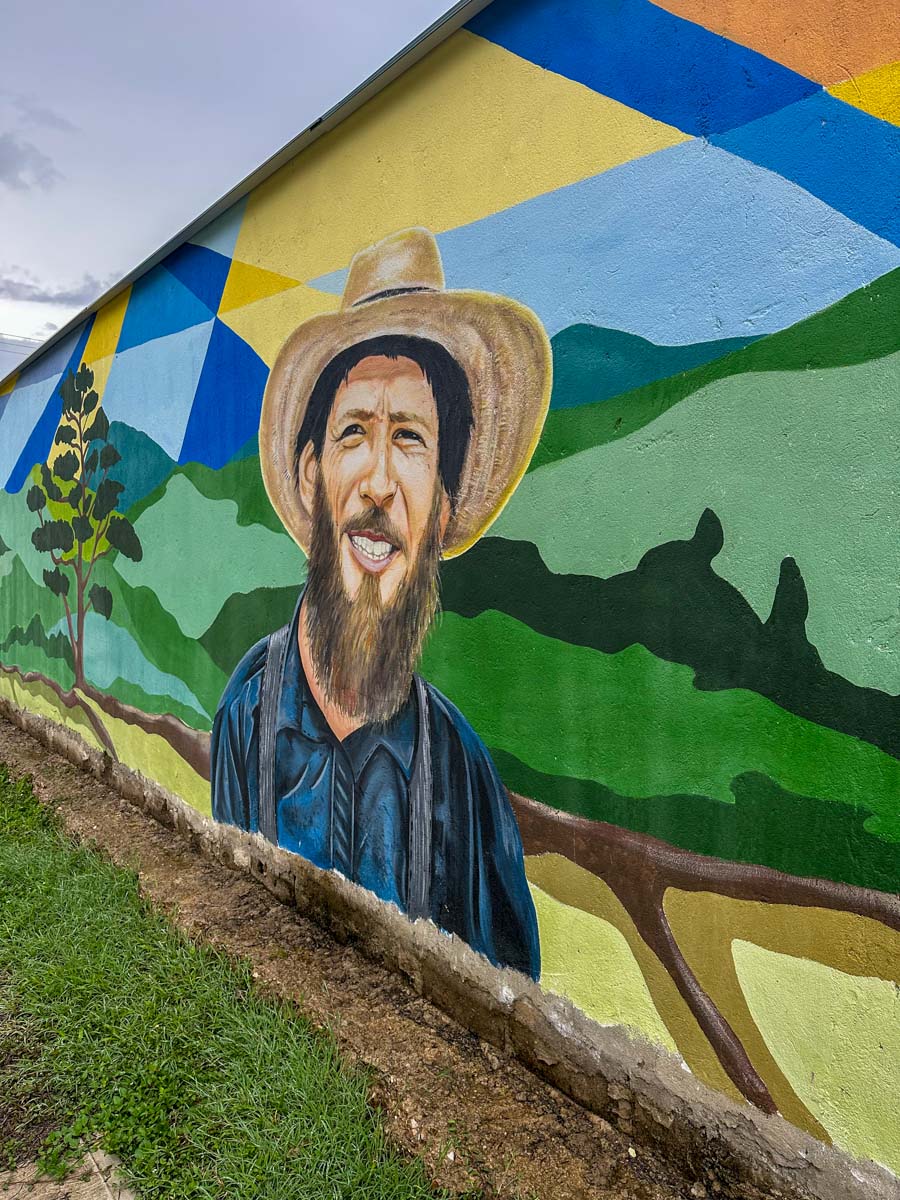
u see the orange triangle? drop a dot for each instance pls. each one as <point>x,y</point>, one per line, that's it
<point>246,284</point>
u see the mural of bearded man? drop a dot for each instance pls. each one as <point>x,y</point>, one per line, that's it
<point>392,434</point>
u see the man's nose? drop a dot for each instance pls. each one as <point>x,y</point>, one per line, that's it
<point>378,486</point>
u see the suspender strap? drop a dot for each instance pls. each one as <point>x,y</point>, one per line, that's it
<point>270,695</point>
<point>420,785</point>
<point>420,808</point>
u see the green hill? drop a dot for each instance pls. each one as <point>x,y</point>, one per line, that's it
<point>591,364</point>
<point>244,618</point>
<point>144,464</point>
<point>863,326</point>
<point>190,540</point>
<point>239,481</point>
<point>638,725</point>
<point>677,606</point>
<point>798,464</point>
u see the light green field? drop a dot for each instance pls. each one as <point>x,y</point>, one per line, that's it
<point>196,555</point>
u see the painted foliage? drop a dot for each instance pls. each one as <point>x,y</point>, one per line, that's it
<point>676,644</point>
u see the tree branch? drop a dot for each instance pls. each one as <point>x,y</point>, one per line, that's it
<point>69,623</point>
<point>98,537</point>
<point>95,490</point>
<point>94,560</point>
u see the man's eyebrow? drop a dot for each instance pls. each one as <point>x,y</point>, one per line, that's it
<point>357,414</point>
<point>405,418</point>
<point>396,418</point>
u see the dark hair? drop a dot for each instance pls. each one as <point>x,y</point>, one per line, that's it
<point>448,384</point>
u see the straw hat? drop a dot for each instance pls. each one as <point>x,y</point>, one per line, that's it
<point>397,287</point>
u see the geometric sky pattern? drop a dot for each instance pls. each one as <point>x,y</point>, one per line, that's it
<point>160,305</point>
<point>202,271</point>
<point>792,206</point>
<point>826,40</point>
<point>839,153</point>
<point>29,420</point>
<point>769,271</point>
<point>220,235</point>
<point>223,419</point>
<point>151,386</point>
<point>665,67</point>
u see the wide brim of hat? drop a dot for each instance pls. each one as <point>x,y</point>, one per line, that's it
<point>504,350</point>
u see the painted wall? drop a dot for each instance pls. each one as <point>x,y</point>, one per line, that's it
<point>682,631</point>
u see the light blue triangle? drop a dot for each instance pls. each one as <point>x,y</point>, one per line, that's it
<point>221,235</point>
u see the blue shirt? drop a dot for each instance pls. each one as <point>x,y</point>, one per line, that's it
<point>345,805</point>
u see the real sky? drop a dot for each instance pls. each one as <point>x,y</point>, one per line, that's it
<point>119,123</point>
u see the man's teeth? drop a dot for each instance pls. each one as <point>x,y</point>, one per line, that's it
<point>376,550</point>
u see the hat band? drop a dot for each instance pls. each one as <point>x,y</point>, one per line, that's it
<point>398,291</point>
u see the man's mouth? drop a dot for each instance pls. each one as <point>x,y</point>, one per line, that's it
<point>372,551</point>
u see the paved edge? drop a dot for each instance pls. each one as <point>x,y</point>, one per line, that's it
<point>639,1088</point>
<point>93,1177</point>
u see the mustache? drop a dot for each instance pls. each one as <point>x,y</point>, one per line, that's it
<point>375,520</point>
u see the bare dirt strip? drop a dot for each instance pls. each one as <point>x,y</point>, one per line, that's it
<point>479,1119</point>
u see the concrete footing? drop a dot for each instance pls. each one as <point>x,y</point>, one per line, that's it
<point>644,1091</point>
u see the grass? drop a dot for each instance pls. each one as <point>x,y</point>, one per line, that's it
<point>128,1033</point>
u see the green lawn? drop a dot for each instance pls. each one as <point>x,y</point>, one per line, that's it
<point>202,1087</point>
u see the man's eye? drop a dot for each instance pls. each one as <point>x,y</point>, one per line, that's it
<point>409,435</point>
<point>351,431</point>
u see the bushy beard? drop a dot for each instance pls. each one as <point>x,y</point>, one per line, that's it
<point>365,651</point>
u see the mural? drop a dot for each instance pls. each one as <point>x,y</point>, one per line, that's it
<point>677,643</point>
<point>392,434</point>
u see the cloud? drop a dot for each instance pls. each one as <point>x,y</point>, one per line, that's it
<point>23,286</point>
<point>23,166</point>
<point>33,113</point>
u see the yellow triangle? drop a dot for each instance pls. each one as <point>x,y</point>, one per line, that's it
<point>266,324</point>
<point>101,368</point>
<point>107,326</point>
<point>7,386</point>
<point>876,92</point>
<point>246,285</point>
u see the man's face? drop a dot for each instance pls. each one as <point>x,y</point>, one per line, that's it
<point>379,472</point>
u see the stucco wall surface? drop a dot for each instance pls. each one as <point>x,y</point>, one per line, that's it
<point>675,639</point>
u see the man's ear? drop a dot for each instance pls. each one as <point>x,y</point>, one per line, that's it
<point>307,474</point>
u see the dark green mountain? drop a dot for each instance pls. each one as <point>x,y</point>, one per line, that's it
<point>676,606</point>
<point>144,463</point>
<point>591,364</point>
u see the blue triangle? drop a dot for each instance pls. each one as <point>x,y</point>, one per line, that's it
<point>40,439</point>
<point>227,403</point>
<point>202,270</point>
<point>159,305</point>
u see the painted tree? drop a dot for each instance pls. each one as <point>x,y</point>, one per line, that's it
<point>75,501</point>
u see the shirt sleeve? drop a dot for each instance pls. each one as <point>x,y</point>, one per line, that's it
<point>481,892</point>
<point>233,745</point>
<point>508,920</point>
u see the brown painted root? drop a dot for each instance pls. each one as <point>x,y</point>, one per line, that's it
<point>640,868</point>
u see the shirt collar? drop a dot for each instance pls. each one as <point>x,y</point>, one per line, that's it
<point>299,708</point>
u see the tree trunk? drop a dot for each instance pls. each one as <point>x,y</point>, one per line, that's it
<point>78,648</point>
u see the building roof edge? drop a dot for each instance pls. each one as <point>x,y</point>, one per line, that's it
<point>436,33</point>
